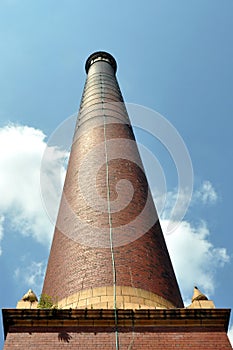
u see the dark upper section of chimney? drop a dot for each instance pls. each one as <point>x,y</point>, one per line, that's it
<point>101,56</point>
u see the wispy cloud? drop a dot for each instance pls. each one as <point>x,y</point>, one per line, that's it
<point>31,275</point>
<point>1,230</point>
<point>206,193</point>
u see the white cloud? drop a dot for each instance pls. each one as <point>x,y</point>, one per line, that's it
<point>20,167</point>
<point>194,257</point>
<point>31,275</point>
<point>1,230</point>
<point>230,335</point>
<point>206,193</point>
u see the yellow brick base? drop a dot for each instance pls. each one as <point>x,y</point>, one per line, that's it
<point>103,298</point>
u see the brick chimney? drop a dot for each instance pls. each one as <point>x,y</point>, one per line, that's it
<point>108,248</point>
<point>109,269</point>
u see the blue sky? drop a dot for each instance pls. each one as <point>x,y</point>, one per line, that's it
<point>174,57</point>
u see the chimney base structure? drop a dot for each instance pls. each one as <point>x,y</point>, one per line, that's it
<point>109,282</point>
<point>200,329</point>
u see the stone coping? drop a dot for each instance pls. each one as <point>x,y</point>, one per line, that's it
<point>41,318</point>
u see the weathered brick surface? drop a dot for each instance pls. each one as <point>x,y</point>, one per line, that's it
<point>104,338</point>
<point>103,154</point>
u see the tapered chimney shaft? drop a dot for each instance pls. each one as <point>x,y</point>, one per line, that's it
<point>108,248</point>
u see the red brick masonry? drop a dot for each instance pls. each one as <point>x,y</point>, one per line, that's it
<point>80,256</point>
<point>96,329</point>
